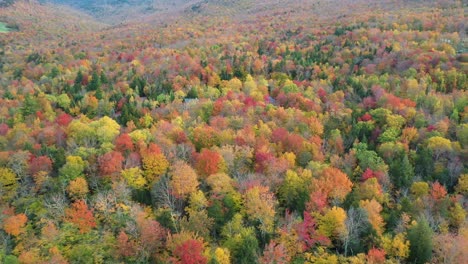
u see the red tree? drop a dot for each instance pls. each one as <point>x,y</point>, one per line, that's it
<point>110,163</point>
<point>64,119</point>
<point>190,252</point>
<point>307,232</point>
<point>125,247</point>
<point>41,163</point>
<point>376,256</point>
<point>208,162</point>
<point>81,216</point>
<point>123,143</point>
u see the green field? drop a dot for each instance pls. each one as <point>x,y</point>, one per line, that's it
<point>4,28</point>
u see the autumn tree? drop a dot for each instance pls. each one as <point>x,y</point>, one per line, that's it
<point>332,224</point>
<point>80,215</point>
<point>8,184</point>
<point>293,193</point>
<point>373,209</point>
<point>73,168</point>
<point>209,162</point>
<point>78,188</point>
<point>15,225</point>
<point>308,233</point>
<point>152,235</point>
<point>154,163</point>
<point>260,206</point>
<point>125,246</point>
<point>110,163</point>
<point>123,143</point>
<point>183,179</point>
<point>134,178</point>
<point>333,183</point>
<point>274,253</point>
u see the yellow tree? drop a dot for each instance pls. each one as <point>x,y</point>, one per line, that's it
<point>184,179</point>
<point>373,209</point>
<point>222,256</point>
<point>8,184</point>
<point>332,224</point>
<point>134,178</point>
<point>397,246</point>
<point>78,188</point>
<point>154,163</point>
<point>106,129</point>
<point>260,206</point>
<point>220,183</point>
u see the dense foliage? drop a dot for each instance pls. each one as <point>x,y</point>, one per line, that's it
<point>236,132</point>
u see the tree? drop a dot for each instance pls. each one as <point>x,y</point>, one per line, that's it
<point>451,248</point>
<point>184,179</point>
<point>152,235</point>
<point>95,82</point>
<point>125,246</point>
<point>106,129</point>
<point>260,206</point>
<point>222,256</point>
<point>81,216</point>
<point>8,184</point>
<point>73,168</point>
<point>110,163</point>
<point>190,252</point>
<point>41,163</point>
<point>123,143</point>
<point>15,225</point>
<point>332,224</point>
<point>397,246</point>
<point>240,241</point>
<point>420,189</point>
<point>376,256</point>
<point>78,82</point>
<point>457,216</point>
<point>420,238</point>
<point>308,235</point>
<point>439,145</point>
<point>204,137</point>
<point>78,188</point>
<point>357,225</point>
<point>220,183</point>
<point>373,209</point>
<point>275,253</point>
<point>154,164</point>
<point>64,101</point>
<point>293,193</point>
<point>462,186</point>
<point>402,172</point>
<point>333,183</point>
<point>134,178</point>
<point>438,191</point>
<point>209,162</point>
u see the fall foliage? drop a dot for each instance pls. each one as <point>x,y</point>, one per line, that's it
<point>242,131</point>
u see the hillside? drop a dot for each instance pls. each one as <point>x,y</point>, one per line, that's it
<point>213,131</point>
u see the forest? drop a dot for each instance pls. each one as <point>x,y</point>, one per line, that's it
<point>219,132</point>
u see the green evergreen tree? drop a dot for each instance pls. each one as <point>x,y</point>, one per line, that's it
<point>99,93</point>
<point>30,105</point>
<point>401,172</point>
<point>420,238</point>
<point>78,82</point>
<point>95,83</point>
<point>104,79</point>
